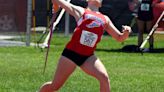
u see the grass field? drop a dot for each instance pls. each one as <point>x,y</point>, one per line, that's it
<point>21,68</point>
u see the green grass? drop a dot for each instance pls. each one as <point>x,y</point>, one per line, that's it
<point>21,68</point>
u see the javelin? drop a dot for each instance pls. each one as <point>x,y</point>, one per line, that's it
<point>49,36</point>
<point>152,31</point>
<point>49,40</point>
<point>54,26</point>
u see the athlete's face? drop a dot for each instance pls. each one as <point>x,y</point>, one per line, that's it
<point>98,3</point>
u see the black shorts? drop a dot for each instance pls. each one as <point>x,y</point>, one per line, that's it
<point>145,16</point>
<point>78,59</point>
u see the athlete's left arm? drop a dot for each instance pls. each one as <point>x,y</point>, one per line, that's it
<point>115,33</point>
<point>74,10</point>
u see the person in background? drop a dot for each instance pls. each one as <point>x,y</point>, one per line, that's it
<point>145,17</point>
<point>80,49</point>
<point>145,21</point>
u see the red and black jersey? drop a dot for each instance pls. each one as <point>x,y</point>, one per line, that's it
<point>88,33</point>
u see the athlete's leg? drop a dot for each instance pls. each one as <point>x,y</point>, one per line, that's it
<point>64,69</point>
<point>141,28</point>
<point>149,25</point>
<point>94,67</point>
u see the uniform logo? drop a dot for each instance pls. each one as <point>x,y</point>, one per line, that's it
<point>93,24</point>
<point>96,23</point>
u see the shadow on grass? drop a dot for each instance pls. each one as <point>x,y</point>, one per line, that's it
<point>131,49</point>
<point>158,50</point>
<point>109,50</point>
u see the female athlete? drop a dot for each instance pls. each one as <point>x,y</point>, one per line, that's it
<point>80,49</point>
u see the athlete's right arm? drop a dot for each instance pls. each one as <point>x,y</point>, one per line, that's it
<point>73,10</point>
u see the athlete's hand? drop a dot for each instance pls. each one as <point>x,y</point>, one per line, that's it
<point>126,29</point>
<point>55,8</point>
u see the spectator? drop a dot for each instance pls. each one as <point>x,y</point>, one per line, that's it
<point>145,21</point>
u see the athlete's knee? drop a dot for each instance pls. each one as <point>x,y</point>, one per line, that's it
<point>104,78</point>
